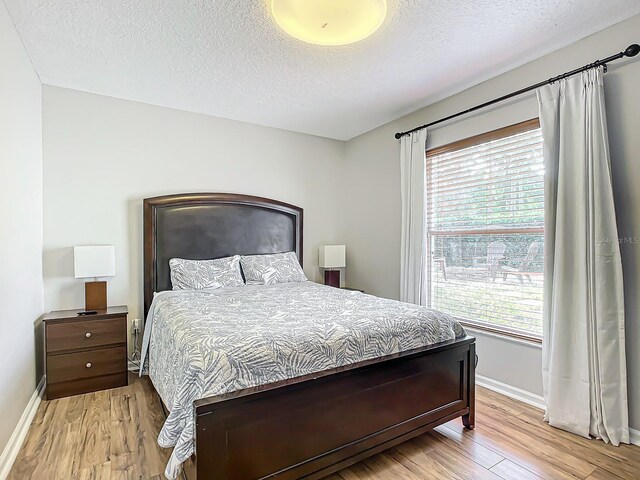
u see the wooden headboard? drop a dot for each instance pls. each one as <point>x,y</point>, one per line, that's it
<point>200,226</point>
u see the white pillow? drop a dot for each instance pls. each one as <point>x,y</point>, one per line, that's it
<point>272,269</point>
<point>200,274</point>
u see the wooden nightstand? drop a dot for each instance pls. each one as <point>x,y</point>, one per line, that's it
<point>85,353</point>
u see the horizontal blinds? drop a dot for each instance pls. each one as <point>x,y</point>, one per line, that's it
<point>485,220</point>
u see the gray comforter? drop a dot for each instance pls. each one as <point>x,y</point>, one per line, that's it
<point>200,343</point>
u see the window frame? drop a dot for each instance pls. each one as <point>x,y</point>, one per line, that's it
<point>473,141</point>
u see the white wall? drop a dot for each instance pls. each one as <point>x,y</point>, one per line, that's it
<point>103,155</point>
<point>373,197</point>
<point>20,224</point>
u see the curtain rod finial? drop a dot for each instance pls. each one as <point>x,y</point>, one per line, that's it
<point>632,50</point>
<point>398,136</point>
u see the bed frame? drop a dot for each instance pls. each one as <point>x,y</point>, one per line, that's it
<point>311,426</point>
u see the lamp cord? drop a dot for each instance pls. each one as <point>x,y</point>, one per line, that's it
<point>135,357</point>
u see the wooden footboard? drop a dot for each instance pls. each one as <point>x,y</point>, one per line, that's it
<point>312,426</point>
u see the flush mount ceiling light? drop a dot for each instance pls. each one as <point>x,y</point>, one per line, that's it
<point>329,22</point>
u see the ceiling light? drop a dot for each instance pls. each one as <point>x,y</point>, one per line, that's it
<point>329,22</point>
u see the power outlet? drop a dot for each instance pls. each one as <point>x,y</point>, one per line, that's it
<point>135,325</point>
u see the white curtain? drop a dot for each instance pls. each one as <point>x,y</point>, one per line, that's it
<point>413,238</point>
<point>584,370</point>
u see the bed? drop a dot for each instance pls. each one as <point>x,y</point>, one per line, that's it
<point>336,408</point>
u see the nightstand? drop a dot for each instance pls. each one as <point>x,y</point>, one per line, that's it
<point>85,353</point>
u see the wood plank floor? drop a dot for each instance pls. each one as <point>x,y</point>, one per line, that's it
<point>112,435</point>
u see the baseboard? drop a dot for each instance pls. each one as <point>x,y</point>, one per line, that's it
<point>516,393</point>
<point>532,399</point>
<point>12,448</point>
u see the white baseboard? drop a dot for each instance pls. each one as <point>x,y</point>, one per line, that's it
<point>516,393</point>
<point>132,367</point>
<point>532,399</point>
<point>12,448</point>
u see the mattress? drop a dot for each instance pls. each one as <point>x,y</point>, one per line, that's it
<point>201,343</point>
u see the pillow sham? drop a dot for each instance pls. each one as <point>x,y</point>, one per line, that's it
<point>201,274</point>
<point>271,269</point>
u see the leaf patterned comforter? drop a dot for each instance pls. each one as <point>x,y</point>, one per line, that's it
<point>199,343</point>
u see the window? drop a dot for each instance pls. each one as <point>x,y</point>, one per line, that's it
<point>485,230</point>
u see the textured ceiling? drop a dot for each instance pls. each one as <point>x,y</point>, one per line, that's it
<point>229,59</point>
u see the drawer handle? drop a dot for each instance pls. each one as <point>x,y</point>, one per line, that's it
<point>88,334</point>
<point>88,365</point>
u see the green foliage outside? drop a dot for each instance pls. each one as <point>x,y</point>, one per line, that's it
<point>502,190</point>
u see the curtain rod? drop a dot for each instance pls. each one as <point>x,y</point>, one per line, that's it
<point>631,51</point>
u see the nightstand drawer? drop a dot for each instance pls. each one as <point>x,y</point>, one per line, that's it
<point>94,363</point>
<point>87,333</point>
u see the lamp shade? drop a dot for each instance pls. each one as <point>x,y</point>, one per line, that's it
<point>94,261</point>
<point>333,256</point>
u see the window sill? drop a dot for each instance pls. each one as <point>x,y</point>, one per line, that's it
<point>500,332</point>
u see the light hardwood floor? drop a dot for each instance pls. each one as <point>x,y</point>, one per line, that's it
<point>112,435</point>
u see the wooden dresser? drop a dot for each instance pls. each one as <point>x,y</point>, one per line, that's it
<point>85,353</point>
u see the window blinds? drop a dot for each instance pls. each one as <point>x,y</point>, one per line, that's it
<point>485,227</point>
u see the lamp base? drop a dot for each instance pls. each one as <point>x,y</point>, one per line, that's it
<point>332,278</point>
<point>95,295</point>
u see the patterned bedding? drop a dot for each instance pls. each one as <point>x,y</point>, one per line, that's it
<point>199,343</point>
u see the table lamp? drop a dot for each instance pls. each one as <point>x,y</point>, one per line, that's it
<point>332,257</point>
<point>94,261</point>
